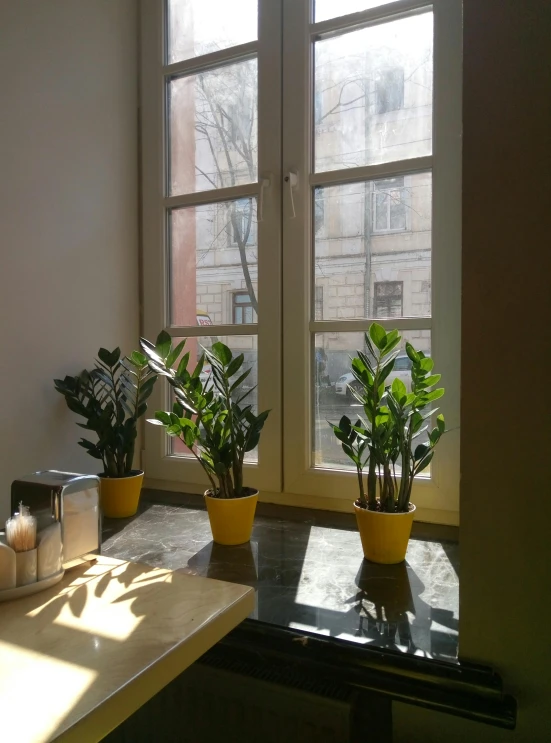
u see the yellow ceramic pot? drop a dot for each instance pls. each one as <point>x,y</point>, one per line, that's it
<point>384,536</point>
<point>231,519</point>
<point>120,495</point>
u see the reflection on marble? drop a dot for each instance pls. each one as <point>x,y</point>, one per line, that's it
<point>310,577</point>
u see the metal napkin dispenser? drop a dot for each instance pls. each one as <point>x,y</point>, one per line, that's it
<point>71,499</point>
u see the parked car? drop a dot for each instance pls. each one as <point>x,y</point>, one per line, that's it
<point>402,367</point>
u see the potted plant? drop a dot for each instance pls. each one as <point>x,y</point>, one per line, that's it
<point>111,397</point>
<point>385,441</point>
<point>209,417</point>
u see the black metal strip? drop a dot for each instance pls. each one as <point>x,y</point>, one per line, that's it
<point>465,690</point>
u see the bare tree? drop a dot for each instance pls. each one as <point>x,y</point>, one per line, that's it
<point>226,125</point>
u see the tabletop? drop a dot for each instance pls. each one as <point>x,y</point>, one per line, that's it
<point>79,658</point>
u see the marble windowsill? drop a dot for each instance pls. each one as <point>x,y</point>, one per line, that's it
<point>308,572</point>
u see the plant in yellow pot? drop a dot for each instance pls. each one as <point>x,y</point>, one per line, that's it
<point>111,397</point>
<point>385,441</point>
<point>218,429</point>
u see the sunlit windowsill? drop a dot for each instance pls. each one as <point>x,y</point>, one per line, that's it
<point>308,571</point>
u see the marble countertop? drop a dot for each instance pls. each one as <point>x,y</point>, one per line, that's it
<point>309,574</point>
<point>79,658</point>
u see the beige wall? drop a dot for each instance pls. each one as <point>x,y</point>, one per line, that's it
<point>68,215</point>
<point>506,403</point>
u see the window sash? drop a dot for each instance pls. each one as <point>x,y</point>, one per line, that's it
<point>162,468</point>
<point>436,496</point>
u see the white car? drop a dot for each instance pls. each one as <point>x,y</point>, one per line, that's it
<point>402,367</point>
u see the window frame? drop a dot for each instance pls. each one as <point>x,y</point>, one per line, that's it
<point>287,301</point>
<point>437,496</point>
<point>163,469</point>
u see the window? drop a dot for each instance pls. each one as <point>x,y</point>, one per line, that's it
<point>243,312</point>
<point>389,205</point>
<point>389,90</point>
<point>388,299</point>
<point>256,215</point>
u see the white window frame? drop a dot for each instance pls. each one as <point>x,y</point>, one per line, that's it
<point>163,469</point>
<point>286,295</point>
<point>437,496</point>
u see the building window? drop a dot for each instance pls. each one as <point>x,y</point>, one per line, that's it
<point>241,227</point>
<point>389,205</point>
<point>243,312</point>
<point>389,90</point>
<point>318,309</point>
<point>388,300</point>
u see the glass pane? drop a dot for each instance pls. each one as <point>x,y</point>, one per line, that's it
<point>203,26</point>
<point>326,9</point>
<point>331,396</point>
<point>213,255</point>
<point>213,128</point>
<point>373,93</point>
<point>245,344</point>
<point>373,249</point>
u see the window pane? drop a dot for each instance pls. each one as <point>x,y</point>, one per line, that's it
<point>213,128</point>
<point>248,346</point>
<point>375,233</point>
<point>373,89</point>
<point>203,26</point>
<point>210,260</point>
<point>331,397</point>
<point>326,9</point>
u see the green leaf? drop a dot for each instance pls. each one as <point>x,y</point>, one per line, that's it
<point>426,364</point>
<point>440,423</point>
<point>189,437</point>
<point>420,451</point>
<point>163,344</point>
<point>182,366</point>
<point>163,417</point>
<point>433,379</point>
<point>393,338</point>
<point>378,335</point>
<point>434,395</point>
<point>222,353</point>
<point>399,390</point>
<point>174,429</point>
<point>235,365</point>
<point>424,463</point>
<point>411,352</point>
<point>173,355</point>
<point>109,358</point>
<point>240,380</point>
<point>138,359</point>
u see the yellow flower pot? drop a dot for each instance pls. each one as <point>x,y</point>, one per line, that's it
<point>120,495</point>
<point>384,536</point>
<point>231,519</point>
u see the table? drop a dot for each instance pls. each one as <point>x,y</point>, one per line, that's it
<point>79,658</point>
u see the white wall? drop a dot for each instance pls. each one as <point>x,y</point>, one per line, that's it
<point>68,215</point>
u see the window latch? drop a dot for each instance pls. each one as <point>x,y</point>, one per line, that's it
<point>292,181</point>
<point>264,184</point>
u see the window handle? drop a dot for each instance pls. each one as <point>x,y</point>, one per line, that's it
<point>292,180</point>
<point>264,184</point>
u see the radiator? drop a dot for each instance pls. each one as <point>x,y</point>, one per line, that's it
<point>209,703</point>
